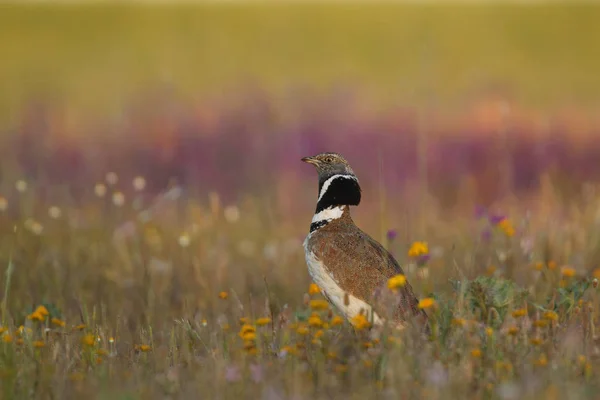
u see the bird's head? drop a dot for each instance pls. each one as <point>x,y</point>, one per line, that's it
<point>337,183</point>
<point>329,164</point>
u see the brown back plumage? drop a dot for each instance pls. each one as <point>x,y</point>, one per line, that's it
<point>360,265</point>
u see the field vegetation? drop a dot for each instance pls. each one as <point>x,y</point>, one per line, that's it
<point>153,203</point>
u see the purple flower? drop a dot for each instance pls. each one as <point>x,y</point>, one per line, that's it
<point>232,374</point>
<point>391,234</point>
<point>422,260</point>
<point>480,212</point>
<point>257,372</point>
<point>496,219</point>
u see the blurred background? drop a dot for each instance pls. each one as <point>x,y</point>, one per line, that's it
<point>438,107</point>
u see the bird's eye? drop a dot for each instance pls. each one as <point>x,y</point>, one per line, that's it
<point>329,159</point>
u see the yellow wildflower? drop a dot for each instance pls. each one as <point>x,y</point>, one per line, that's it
<point>7,338</point>
<point>39,314</point>
<point>360,322</point>
<point>341,368</point>
<point>36,316</point>
<point>476,353</point>
<point>79,327</point>
<point>302,330</point>
<point>247,332</point>
<point>538,266</point>
<point>88,340</point>
<point>42,310</point>
<point>263,321</point>
<point>521,312</point>
<point>540,323</point>
<point>315,321</point>
<point>313,289</point>
<point>489,331</point>
<point>513,330</point>
<point>289,350</point>
<point>458,322</point>
<point>38,344</point>
<point>144,348</point>
<point>223,295</point>
<point>506,226</point>
<point>568,272</point>
<point>368,363</point>
<point>507,366</point>
<point>318,334</point>
<point>57,322</point>
<point>427,302</point>
<point>101,352</point>
<point>596,273</point>
<point>542,361</point>
<point>393,339</point>
<point>367,345</point>
<point>22,330</point>
<point>536,341</point>
<point>551,316</point>
<point>551,265</point>
<point>319,304</point>
<point>249,336</point>
<point>418,249</point>
<point>244,320</point>
<point>331,355</point>
<point>396,282</point>
<point>337,320</point>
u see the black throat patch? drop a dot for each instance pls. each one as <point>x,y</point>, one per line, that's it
<point>342,190</point>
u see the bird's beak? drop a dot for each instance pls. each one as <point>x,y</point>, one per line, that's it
<point>310,160</point>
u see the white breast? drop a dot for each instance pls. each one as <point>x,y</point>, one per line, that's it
<point>333,292</point>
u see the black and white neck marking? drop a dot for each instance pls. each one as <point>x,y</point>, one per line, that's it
<point>336,192</point>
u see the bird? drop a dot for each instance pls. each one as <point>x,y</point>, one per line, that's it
<point>349,266</point>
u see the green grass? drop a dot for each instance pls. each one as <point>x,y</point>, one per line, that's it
<point>96,57</point>
<point>136,312</point>
<point>204,299</point>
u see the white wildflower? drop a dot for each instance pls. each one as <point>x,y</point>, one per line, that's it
<point>54,212</point>
<point>232,214</point>
<point>21,186</point>
<point>112,178</point>
<point>184,240</point>
<point>118,199</point>
<point>100,189</point>
<point>139,183</point>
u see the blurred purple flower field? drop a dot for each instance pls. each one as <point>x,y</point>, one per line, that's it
<point>251,143</point>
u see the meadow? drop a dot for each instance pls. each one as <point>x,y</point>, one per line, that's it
<point>153,203</point>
